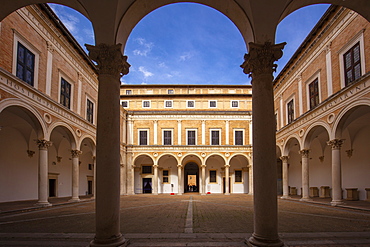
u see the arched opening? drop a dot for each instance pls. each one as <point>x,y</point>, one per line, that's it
<point>144,174</point>
<point>191,177</point>
<point>240,174</point>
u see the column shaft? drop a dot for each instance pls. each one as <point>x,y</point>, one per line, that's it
<point>203,186</point>
<point>179,186</point>
<point>285,177</point>
<point>227,187</point>
<point>305,176</point>
<point>155,182</point>
<point>336,172</point>
<point>43,173</point>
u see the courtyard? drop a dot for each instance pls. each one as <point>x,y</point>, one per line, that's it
<point>187,220</point>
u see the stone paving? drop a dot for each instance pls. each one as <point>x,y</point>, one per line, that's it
<point>187,220</point>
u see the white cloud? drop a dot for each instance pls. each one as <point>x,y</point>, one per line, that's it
<point>145,72</point>
<point>144,47</point>
<point>186,56</point>
<point>162,65</point>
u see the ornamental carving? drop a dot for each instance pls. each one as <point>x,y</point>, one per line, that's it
<point>76,153</point>
<point>284,158</point>
<point>43,144</point>
<point>336,143</point>
<point>109,59</point>
<point>304,153</point>
<point>261,57</point>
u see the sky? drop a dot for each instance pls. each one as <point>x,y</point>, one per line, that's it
<point>188,43</point>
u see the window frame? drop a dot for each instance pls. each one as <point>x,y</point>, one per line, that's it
<point>127,102</point>
<point>128,92</point>
<point>150,104</point>
<point>146,173</point>
<point>165,104</point>
<point>88,99</point>
<point>63,77</point>
<point>139,137</point>
<point>309,96</point>
<point>241,176</point>
<point>195,137</point>
<point>166,176</point>
<point>209,103</point>
<point>210,176</point>
<point>219,137</point>
<point>291,99</point>
<point>187,104</point>
<point>164,138</point>
<point>170,91</point>
<point>231,103</point>
<point>243,136</point>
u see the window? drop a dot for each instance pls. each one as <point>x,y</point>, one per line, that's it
<point>165,177</point>
<point>238,176</point>
<point>212,176</point>
<point>234,104</point>
<point>190,103</point>
<point>25,64</point>
<point>146,170</point>
<point>65,93</point>
<point>313,89</point>
<point>191,137</point>
<point>143,137</point>
<point>168,104</point>
<point>352,64</point>
<point>170,91</point>
<point>90,111</point>
<point>167,137</point>
<point>238,137</point>
<point>90,166</point>
<point>128,92</point>
<point>212,104</point>
<point>124,103</point>
<point>215,137</point>
<point>146,103</point>
<point>290,109</point>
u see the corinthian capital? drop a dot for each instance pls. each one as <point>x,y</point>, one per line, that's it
<point>261,57</point>
<point>304,152</point>
<point>43,144</point>
<point>110,59</point>
<point>76,153</point>
<point>284,158</point>
<point>335,143</point>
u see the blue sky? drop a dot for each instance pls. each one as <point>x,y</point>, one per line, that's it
<point>187,43</point>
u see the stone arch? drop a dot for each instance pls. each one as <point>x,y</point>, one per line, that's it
<point>68,130</point>
<point>313,131</point>
<point>289,141</point>
<point>141,156</point>
<point>189,155</point>
<point>216,154</point>
<point>168,154</point>
<point>241,154</point>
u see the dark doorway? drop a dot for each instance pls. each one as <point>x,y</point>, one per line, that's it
<point>147,185</point>
<point>89,187</point>
<point>191,177</point>
<point>52,187</point>
<point>279,177</point>
<point>224,184</point>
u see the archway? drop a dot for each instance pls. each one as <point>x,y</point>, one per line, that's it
<point>143,174</point>
<point>191,177</point>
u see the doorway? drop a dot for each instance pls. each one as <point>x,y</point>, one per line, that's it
<point>147,185</point>
<point>89,187</point>
<point>52,187</point>
<point>191,177</point>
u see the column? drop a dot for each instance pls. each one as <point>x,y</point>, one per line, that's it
<point>179,132</point>
<point>155,134</point>
<point>79,93</point>
<point>155,180</point>
<point>203,132</point>
<point>305,175</point>
<point>94,181</point>
<point>179,185</point>
<point>203,186</point>
<point>300,96</point>
<point>132,184</point>
<point>227,189</point>
<point>43,173</point>
<point>111,65</point>
<point>336,171</point>
<point>227,123</point>
<point>259,64</point>
<point>250,171</point>
<point>284,159</point>
<point>75,175</point>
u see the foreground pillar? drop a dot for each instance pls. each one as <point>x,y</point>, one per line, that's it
<point>305,175</point>
<point>284,159</point>
<point>259,64</point>
<point>227,187</point>
<point>111,66</point>
<point>43,173</point>
<point>336,171</point>
<point>179,167</point>
<point>75,175</point>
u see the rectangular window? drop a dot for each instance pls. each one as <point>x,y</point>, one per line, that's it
<point>190,103</point>
<point>90,111</point>
<point>90,166</point>
<point>146,104</point>
<point>191,137</point>
<point>65,93</point>
<point>215,137</point>
<point>238,176</point>
<point>143,137</point>
<point>171,91</point>
<point>167,137</point>
<point>313,89</point>
<point>212,104</point>
<point>165,176</point>
<point>25,64</point>
<point>290,109</point>
<point>124,103</point>
<point>146,170</point>
<point>352,64</point>
<point>234,104</point>
<point>168,104</point>
<point>128,92</point>
<point>238,137</point>
<point>212,176</point>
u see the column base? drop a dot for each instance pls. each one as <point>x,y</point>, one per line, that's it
<point>262,242</point>
<point>74,200</point>
<point>285,197</point>
<point>118,242</point>
<point>336,202</point>
<point>43,204</point>
<point>227,194</point>
<point>305,199</point>
<point>179,194</point>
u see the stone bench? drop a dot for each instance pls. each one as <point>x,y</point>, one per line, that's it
<point>324,192</point>
<point>352,194</point>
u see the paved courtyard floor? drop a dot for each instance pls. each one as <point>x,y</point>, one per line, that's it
<point>187,220</point>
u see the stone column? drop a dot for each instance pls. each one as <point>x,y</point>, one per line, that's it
<point>75,175</point>
<point>284,159</point>
<point>179,186</point>
<point>155,180</point>
<point>111,65</point>
<point>227,189</point>
<point>203,186</point>
<point>43,173</point>
<point>336,171</point>
<point>250,173</point>
<point>259,64</point>
<point>94,181</point>
<point>305,175</point>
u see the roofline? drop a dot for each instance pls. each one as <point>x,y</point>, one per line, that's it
<point>126,96</point>
<point>183,85</point>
